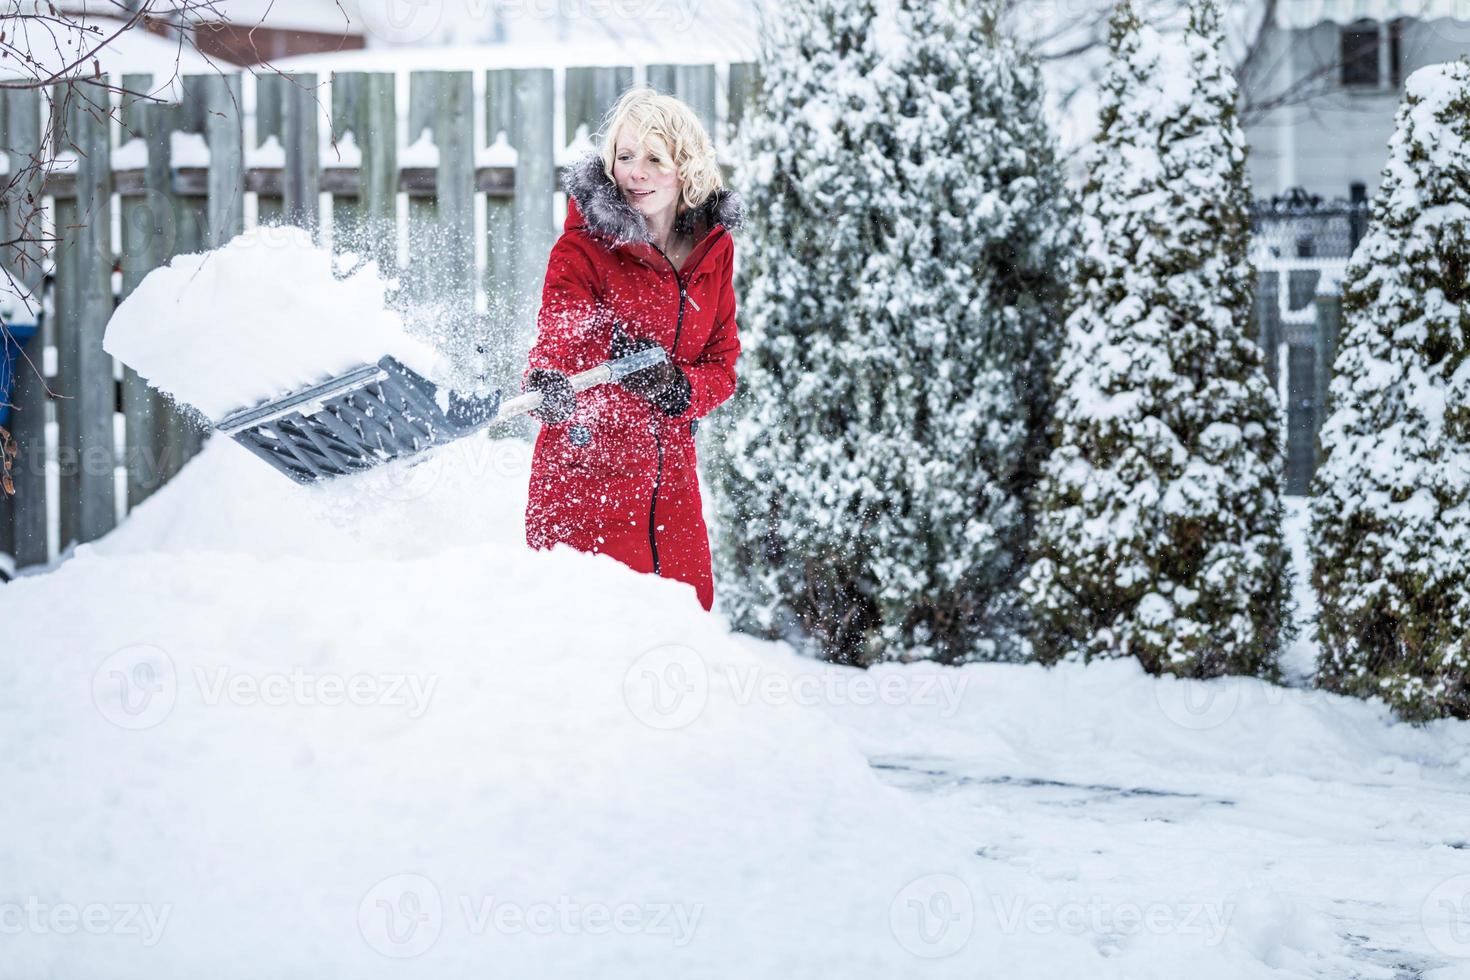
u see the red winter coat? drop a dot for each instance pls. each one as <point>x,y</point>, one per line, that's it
<point>618,478</point>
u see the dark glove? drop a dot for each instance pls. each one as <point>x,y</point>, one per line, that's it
<point>558,400</point>
<point>663,384</point>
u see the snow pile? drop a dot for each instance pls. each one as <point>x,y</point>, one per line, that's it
<point>396,745</point>
<point>263,315</point>
<point>358,730</point>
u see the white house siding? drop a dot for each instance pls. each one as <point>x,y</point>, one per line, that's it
<point>1339,137</point>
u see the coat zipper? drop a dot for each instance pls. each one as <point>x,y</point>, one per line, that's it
<point>658,445</point>
<point>683,298</point>
<point>658,440</point>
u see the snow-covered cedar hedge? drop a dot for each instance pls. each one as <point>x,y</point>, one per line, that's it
<point>904,285</point>
<point>1391,507</point>
<point>1160,535</point>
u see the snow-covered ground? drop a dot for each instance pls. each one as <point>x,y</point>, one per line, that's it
<point>361,731</point>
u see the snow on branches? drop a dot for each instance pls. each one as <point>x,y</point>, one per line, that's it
<point>1391,509</point>
<point>1160,533</point>
<point>904,283</point>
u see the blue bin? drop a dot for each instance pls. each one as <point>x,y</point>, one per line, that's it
<point>12,339</point>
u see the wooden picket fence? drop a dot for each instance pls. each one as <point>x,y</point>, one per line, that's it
<point>337,155</point>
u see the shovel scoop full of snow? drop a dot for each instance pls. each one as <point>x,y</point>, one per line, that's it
<point>293,352</point>
<point>382,412</point>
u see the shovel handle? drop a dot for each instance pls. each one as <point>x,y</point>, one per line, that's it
<point>605,373</point>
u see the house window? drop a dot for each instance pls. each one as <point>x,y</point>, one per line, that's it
<point>1358,54</point>
<point>1370,56</point>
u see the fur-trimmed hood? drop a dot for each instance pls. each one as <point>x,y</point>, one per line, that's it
<point>609,215</point>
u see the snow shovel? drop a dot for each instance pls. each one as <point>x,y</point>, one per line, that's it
<point>380,412</point>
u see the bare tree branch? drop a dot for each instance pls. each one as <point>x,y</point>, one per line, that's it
<point>59,52</point>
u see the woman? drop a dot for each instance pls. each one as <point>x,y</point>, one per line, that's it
<point>646,259</point>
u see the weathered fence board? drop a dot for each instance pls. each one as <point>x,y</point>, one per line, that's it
<point>68,334</point>
<point>96,391</point>
<point>181,436</point>
<point>590,93</point>
<point>535,181</point>
<point>225,133</point>
<point>149,228</point>
<point>25,513</point>
<point>301,186</point>
<point>453,272</point>
<point>744,84</point>
<point>421,173</point>
<point>270,97</point>
<point>695,84</point>
<point>346,127</point>
<point>379,177</point>
<point>502,309</point>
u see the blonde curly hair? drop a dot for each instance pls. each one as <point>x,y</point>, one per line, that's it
<point>667,125</point>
